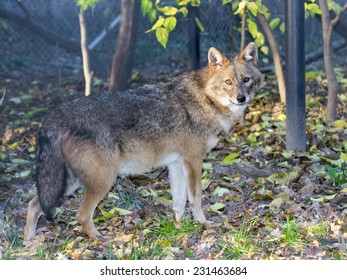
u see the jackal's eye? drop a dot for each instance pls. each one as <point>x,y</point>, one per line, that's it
<point>246,79</point>
<point>228,82</point>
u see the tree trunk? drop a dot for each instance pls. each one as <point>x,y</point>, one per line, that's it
<point>122,61</point>
<point>243,30</point>
<point>276,55</point>
<point>88,74</point>
<point>295,76</point>
<point>242,46</point>
<point>328,62</point>
<point>193,39</point>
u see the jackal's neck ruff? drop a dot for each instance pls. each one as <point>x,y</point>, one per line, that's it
<point>224,88</point>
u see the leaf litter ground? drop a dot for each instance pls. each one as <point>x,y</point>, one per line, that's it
<point>265,202</point>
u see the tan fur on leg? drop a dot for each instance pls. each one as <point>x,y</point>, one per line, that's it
<point>34,213</point>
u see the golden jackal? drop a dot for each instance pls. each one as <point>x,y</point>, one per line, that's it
<point>92,139</point>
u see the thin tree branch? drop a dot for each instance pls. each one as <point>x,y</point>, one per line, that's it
<point>275,54</point>
<point>313,56</point>
<point>24,9</point>
<point>47,35</point>
<point>328,62</point>
<point>3,97</point>
<point>88,74</point>
<point>243,30</point>
<point>339,16</point>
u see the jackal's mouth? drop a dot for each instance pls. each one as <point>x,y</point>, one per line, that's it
<point>239,103</point>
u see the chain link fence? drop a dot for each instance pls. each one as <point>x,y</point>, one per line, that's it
<point>20,46</point>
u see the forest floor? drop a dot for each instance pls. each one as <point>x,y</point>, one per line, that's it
<point>265,202</point>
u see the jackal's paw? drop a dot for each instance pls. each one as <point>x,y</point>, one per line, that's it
<point>208,224</point>
<point>102,238</point>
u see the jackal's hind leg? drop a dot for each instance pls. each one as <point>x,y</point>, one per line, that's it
<point>34,213</point>
<point>98,180</point>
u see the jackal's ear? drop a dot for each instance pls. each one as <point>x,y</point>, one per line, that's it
<point>215,57</point>
<point>250,53</point>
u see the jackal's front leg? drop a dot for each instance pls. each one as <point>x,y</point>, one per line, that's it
<point>194,168</point>
<point>178,185</point>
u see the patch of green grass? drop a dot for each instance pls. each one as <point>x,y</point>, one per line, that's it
<point>188,254</point>
<point>167,229</point>
<point>338,255</point>
<point>109,255</point>
<point>148,250</point>
<point>157,241</point>
<point>129,199</point>
<point>45,253</point>
<point>291,234</point>
<point>319,230</point>
<point>337,174</point>
<point>239,243</point>
<point>13,239</point>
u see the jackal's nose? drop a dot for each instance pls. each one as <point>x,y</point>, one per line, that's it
<point>241,98</point>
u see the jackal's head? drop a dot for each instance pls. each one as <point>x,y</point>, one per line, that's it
<point>233,80</point>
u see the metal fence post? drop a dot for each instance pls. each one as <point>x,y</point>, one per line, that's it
<point>295,75</point>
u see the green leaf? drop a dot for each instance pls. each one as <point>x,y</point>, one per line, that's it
<point>264,50</point>
<point>184,11</point>
<point>340,123</point>
<point>273,23</point>
<point>282,27</point>
<point>152,15</point>
<point>313,9</point>
<point>168,10</point>
<point>252,27</point>
<point>287,154</point>
<point>263,10</point>
<point>252,138</point>
<point>22,174</point>
<point>162,36</point>
<point>235,5</point>
<point>332,5</point>
<point>224,2</point>
<point>183,2</point>
<point>253,7</point>
<point>199,24</point>
<point>170,23</point>
<point>85,4</point>
<point>158,23</point>
<point>146,6</point>
<point>220,191</point>
<point>217,207</point>
<point>195,3</point>
<point>263,194</point>
<point>122,211</point>
<point>323,198</point>
<point>206,166</point>
<point>241,8</point>
<point>260,39</point>
<point>230,159</point>
<point>276,203</point>
<point>20,161</point>
<point>15,100</point>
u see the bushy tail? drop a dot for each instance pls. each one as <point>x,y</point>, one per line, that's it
<point>51,171</point>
